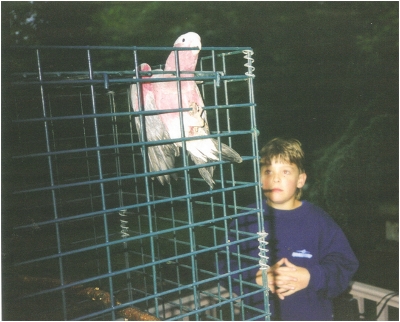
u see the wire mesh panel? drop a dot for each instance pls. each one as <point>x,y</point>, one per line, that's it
<point>91,233</point>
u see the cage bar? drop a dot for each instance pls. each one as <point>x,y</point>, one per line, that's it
<point>90,234</point>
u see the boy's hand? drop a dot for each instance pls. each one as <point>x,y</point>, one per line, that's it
<point>270,275</point>
<point>285,280</point>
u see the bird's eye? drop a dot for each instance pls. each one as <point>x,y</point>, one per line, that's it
<point>183,40</point>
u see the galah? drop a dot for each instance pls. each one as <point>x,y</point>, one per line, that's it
<point>167,95</point>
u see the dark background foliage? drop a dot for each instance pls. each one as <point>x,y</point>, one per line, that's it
<point>326,73</point>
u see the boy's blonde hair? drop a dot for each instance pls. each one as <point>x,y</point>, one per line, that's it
<point>284,150</point>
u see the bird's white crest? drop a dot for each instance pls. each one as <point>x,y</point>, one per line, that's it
<point>190,39</point>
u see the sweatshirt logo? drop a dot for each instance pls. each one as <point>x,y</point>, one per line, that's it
<point>302,253</point>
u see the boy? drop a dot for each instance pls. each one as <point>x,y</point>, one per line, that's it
<point>310,257</point>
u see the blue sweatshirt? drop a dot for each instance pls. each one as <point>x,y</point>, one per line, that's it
<point>308,237</point>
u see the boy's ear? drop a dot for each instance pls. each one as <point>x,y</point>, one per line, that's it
<point>302,180</point>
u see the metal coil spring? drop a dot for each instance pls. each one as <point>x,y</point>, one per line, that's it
<point>124,227</point>
<point>249,64</point>
<point>262,247</point>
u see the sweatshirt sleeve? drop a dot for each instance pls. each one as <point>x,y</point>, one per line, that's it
<point>337,263</point>
<point>239,256</point>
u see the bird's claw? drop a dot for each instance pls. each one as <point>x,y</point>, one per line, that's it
<point>196,113</point>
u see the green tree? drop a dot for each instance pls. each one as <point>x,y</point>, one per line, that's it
<point>359,172</point>
<point>48,23</point>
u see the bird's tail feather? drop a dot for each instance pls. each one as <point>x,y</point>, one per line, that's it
<point>206,172</point>
<point>162,157</point>
<point>227,153</point>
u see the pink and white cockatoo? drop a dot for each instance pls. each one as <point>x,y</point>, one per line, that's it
<point>164,96</point>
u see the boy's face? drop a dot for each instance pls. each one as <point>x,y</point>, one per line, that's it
<point>280,181</point>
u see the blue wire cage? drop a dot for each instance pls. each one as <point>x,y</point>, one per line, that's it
<point>89,234</point>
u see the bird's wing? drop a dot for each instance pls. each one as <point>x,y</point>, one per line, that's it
<point>162,156</point>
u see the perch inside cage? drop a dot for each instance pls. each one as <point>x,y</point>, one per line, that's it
<point>126,180</point>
